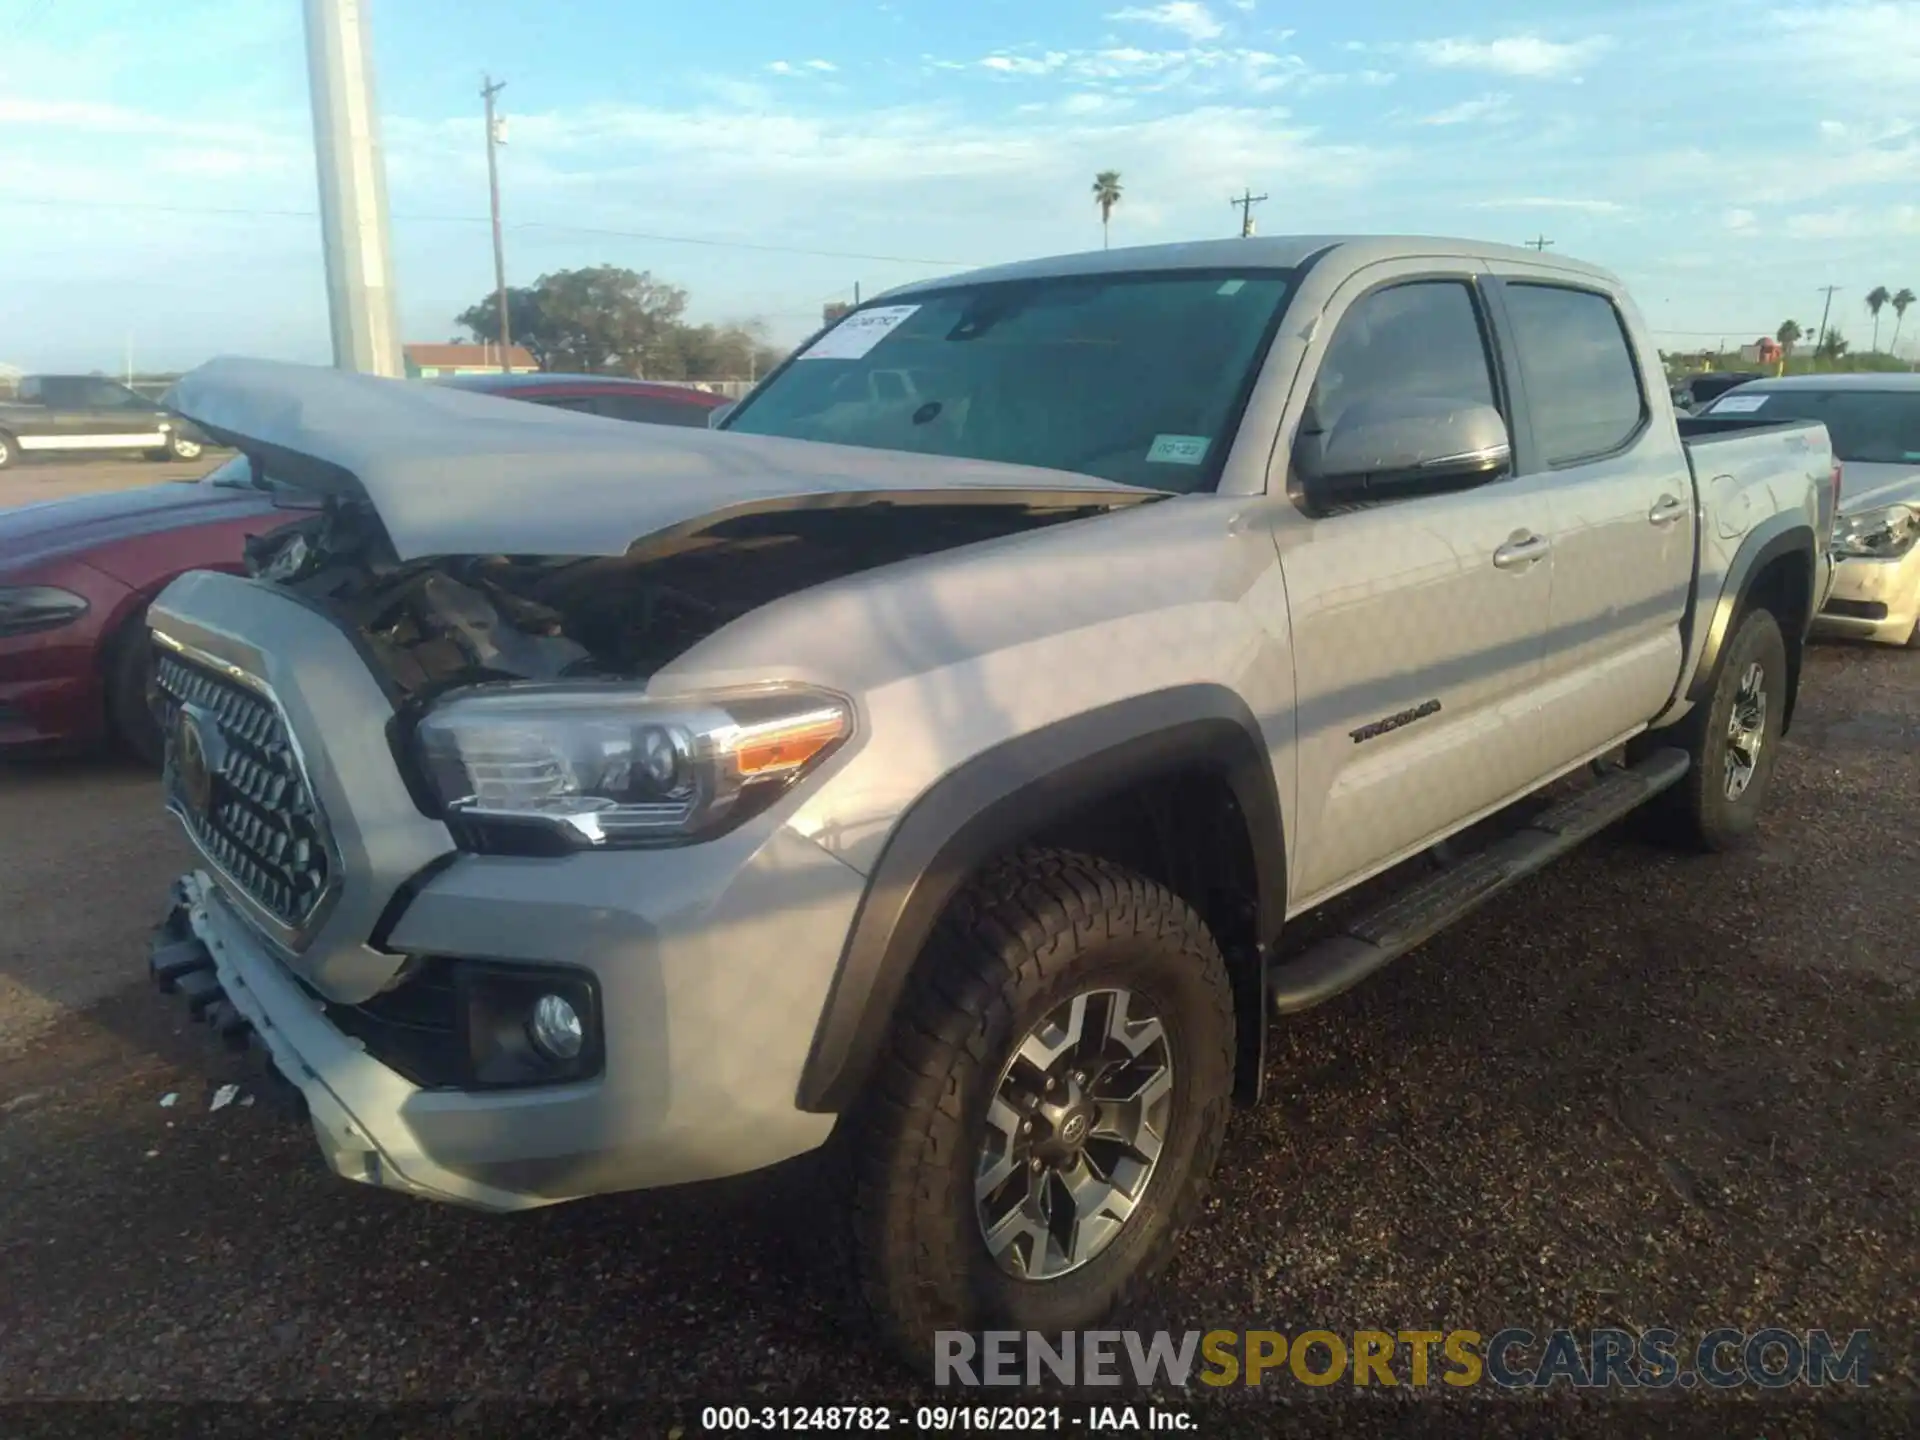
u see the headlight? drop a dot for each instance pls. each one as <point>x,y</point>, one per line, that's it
<point>37,607</point>
<point>597,766</point>
<point>1883,534</point>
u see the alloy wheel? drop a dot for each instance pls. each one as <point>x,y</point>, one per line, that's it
<point>1074,1133</point>
<point>1746,730</point>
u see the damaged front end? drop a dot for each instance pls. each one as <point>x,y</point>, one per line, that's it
<point>503,669</point>
<point>444,622</point>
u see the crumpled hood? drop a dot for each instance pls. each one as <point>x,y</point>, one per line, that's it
<point>51,528</point>
<point>450,472</point>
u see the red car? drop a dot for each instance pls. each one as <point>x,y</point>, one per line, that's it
<point>76,574</point>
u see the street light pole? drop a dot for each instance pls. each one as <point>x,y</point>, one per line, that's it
<point>353,189</point>
<point>489,88</point>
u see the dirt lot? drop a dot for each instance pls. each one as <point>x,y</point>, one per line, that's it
<point>1645,1089</point>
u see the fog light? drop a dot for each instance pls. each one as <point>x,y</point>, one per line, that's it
<point>555,1029</point>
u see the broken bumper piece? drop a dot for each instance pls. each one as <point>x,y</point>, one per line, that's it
<point>366,1117</point>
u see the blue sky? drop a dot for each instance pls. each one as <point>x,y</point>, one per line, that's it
<point>156,172</point>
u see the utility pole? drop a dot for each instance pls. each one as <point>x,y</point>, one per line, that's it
<point>1539,243</point>
<point>1825,310</point>
<point>1246,202</point>
<point>353,188</point>
<point>856,294</point>
<point>488,89</point>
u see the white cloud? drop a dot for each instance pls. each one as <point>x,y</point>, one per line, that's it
<point>1853,223</point>
<point>1551,202</point>
<point>1526,56</point>
<point>1738,219</point>
<point>1130,69</point>
<point>787,67</point>
<point>1190,18</point>
<point>1486,107</point>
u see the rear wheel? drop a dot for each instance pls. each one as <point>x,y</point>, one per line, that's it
<point>1733,738</point>
<point>1046,1118</point>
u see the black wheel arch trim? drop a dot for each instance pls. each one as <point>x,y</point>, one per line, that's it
<point>987,805</point>
<point>1778,535</point>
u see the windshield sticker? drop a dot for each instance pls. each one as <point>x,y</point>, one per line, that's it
<point>854,336</point>
<point>1178,449</point>
<point>1739,404</point>
<point>1231,287</point>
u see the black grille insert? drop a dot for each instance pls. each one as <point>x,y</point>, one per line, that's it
<point>235,779</point>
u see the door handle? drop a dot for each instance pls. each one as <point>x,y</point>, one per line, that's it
<point>1666,510</point>
<point>1521,550</point>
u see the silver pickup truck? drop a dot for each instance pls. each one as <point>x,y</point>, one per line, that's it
<point>933,772</point>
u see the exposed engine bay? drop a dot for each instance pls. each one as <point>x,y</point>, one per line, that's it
<point>438,623</point>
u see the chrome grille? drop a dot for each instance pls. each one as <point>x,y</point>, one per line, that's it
<point>243,794</point>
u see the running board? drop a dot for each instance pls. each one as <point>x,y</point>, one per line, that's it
<point>1414,916</point>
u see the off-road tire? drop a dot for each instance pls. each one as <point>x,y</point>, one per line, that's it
<point>1697,812</point>
<point>131,722</point>
<point>1024,938</point>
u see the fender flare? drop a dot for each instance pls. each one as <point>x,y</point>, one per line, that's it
<point>987,805</point>
<point>1783,534</point>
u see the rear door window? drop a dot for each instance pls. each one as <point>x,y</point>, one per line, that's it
<point>1583,388</point>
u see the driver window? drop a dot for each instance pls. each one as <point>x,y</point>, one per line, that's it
<point>1421,340</point>
<point>105,395</point>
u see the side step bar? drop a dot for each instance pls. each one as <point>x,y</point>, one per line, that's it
<point>1383,935</point>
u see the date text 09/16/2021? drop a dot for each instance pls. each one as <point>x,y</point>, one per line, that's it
<point>944,1419</point>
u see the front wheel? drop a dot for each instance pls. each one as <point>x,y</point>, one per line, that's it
<point>9,451</point>
<point>1733,739</point>
<point>131,717</point>
<point>1046,1118</point>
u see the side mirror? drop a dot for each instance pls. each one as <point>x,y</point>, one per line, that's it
<point>1401,446</point>
<point>719,413</point>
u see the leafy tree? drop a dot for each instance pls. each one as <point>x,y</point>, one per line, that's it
<point>523,310</point>
<point>604,318</point>
<point>1789,335</point>
<point>1902,298</point>
<point>1876,302</point>
<point>1832,345</point>
<point>1106,194</point>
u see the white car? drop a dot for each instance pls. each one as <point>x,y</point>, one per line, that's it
<point>1874,420</point>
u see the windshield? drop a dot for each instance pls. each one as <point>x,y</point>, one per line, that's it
<point>1134,378</point>
<point>1869,427</point>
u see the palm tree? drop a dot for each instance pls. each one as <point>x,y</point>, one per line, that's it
<point>1106,194</point>
<point>1901,300</point>
<point>1789,335</point>
<point>1876,300</point>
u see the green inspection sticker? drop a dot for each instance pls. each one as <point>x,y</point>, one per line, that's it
<point>1178,449</point>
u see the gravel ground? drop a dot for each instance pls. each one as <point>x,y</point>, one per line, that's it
<point>1643,1089</point>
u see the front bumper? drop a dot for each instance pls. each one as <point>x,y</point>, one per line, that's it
<point>1870,599</point>
<point>708,1015</point>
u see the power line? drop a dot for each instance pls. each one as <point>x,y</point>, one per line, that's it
<point>655,236</point>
